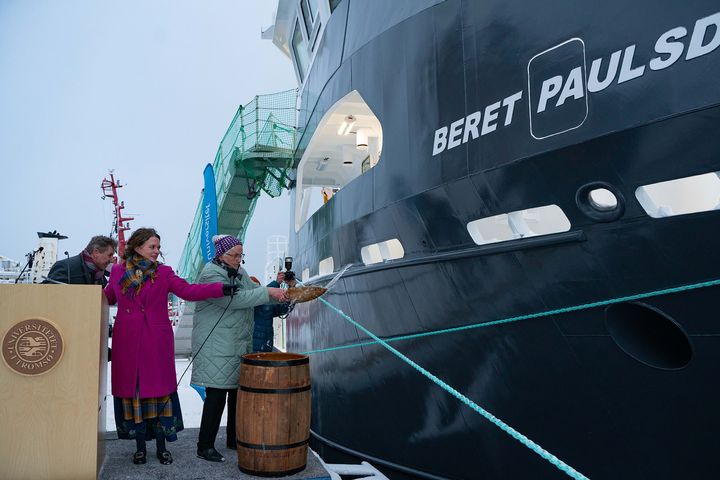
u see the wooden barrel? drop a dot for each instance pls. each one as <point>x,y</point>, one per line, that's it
<point>273,413</point>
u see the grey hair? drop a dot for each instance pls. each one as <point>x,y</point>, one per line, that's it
<point>100,243</point>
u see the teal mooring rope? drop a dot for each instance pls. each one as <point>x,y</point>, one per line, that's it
<point>546,313</point>
<point>502,425</point>
<point>562,466</point>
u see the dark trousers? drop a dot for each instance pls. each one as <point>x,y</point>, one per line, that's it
<point>212,414</point>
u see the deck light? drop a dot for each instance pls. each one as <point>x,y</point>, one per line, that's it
<point>361,139</point>
<point>322,164</point>
<point>346,125</point>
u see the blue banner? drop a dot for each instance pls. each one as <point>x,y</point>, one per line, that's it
<point>208,227</point>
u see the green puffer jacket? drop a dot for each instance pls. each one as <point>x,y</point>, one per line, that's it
<point>218,363</point>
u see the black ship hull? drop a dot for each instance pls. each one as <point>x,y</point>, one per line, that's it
<point>597,386</point>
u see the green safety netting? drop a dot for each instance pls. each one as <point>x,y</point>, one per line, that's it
<point>255,155</point>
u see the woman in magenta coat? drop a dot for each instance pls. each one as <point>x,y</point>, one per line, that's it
<point>143,363</point>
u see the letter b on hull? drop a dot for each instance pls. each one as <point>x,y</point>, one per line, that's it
<point>557,89</point>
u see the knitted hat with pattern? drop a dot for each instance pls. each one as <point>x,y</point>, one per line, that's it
<point>223,243</point>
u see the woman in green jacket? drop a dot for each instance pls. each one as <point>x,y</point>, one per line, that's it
<point>217,364</point>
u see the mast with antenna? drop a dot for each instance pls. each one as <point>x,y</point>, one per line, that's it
<point>120,225</point>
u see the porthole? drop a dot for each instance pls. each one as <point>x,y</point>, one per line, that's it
<point>648,335</point>
<point>600,201</point>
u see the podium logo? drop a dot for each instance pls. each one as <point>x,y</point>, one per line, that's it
<point>32,347</point>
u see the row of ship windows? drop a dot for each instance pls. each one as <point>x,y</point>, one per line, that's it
<point>699,193</point>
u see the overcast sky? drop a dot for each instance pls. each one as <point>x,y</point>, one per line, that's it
<point>147,88</point>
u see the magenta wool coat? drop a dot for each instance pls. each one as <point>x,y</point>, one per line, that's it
<point>143,347</point>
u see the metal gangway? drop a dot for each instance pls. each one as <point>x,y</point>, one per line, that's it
<point>254,156</point>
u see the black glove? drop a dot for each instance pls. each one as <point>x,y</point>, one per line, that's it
<point>229,290</point>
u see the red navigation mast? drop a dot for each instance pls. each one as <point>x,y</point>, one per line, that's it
<point>109,188</point>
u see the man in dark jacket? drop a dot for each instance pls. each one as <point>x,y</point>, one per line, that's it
<point>87,268</point>
<point>263,331</point>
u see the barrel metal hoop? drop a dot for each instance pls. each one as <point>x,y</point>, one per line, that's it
<point>274,363</point>
<point>272,474</point>
<point>257,446</point>
<point>274,390</point>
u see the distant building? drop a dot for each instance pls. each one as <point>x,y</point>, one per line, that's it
<point>274,256</point>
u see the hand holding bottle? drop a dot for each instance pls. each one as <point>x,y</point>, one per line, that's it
<point>278,294</point>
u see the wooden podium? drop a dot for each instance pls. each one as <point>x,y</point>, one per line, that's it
<point>53,378</point>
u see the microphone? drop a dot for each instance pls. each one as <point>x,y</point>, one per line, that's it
<point>53,281</point>
<point>232,275</point>
<point>30,256</point>
<point>67,255</point>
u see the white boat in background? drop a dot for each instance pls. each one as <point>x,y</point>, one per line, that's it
<point>43,258</point>
<point>10,269</point>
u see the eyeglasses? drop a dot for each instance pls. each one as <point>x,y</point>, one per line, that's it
<point>236,255</point>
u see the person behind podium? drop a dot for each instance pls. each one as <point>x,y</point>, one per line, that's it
<point>143,367</point>
<point>219,340</point>
<point>86,268</point>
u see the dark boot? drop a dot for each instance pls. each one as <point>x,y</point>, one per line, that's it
<point>210,454</point>
<point>163,455</point>
<point>140,456</point>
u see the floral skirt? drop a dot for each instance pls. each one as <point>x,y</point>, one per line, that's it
<point>148,417</point>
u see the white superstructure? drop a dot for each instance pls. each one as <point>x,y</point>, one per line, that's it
<point>44,259</point>
<point>10,269</point>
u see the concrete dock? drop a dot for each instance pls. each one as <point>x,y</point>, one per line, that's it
<point>186,465</point>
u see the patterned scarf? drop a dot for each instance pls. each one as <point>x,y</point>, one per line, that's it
<point>232,272</point>
<point>96,273</point>
<point>137,271</point>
